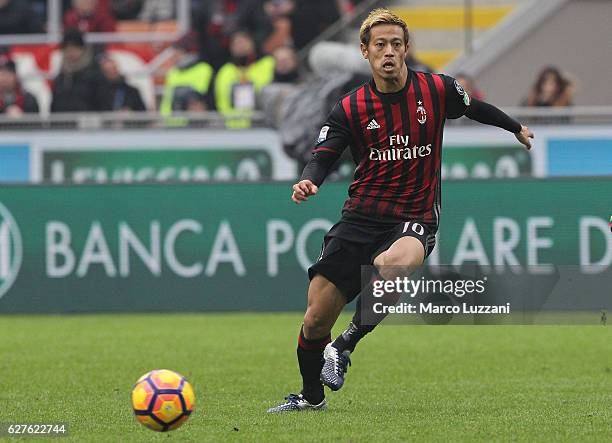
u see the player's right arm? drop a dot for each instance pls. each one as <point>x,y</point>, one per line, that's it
<point>333,139</point>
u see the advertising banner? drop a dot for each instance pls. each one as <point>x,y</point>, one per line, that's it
<point>575,157</point>
<point>202,155</point>
<point>153,155</point>
<point>14,162</point>
<point>203,247</point>
<point>484,162</point>
<point>146,165</point>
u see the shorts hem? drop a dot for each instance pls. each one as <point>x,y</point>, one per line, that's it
<point>312,272</point>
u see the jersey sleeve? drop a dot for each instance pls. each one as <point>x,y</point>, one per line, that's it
<point>457,100</point>
<point>333,138</point>
<point>490,115</point>
<point>334,135</point>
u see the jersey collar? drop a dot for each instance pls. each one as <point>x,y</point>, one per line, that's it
<point>392,97</point>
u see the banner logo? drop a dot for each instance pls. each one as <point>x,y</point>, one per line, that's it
<point>10,250</point>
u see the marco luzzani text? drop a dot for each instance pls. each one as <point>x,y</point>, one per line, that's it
<point>457,289</point>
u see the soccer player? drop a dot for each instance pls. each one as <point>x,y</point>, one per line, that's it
<point>393,125</point>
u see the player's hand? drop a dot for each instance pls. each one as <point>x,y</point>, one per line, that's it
<point>303,190</point>
<point>524,136</point>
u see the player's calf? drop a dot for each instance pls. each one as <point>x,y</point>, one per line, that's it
<point>325,302</point>
<point>399,260</point>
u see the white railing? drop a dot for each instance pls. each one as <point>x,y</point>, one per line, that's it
<point>583,115</point>
<point>134,120</point>
<point>567,115</point>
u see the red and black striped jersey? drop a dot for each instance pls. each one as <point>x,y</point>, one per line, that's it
<point>396,143</point>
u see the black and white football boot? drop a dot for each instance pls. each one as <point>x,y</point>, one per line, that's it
<point>335,367</point>
<point>297,402</point>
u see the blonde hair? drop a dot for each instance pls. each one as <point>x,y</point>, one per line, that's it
<point>381,16</point>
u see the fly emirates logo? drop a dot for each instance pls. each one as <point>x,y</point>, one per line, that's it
<point>399,149</point>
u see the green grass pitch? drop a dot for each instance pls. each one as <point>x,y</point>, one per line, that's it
<point>407,383</point>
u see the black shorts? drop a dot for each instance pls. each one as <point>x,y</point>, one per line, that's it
<point>349,246</point>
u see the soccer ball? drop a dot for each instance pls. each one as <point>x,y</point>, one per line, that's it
<point>162,400</point>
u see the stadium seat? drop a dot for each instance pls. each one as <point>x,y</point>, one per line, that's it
<point>168,26</point>
<point>55,63</point>
<point>33,80</point>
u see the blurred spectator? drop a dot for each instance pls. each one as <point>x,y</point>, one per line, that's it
<point>279,13</point>
<point>286,65</point>
<point>240,80</point>
<point>216,20</point>
<point>193,102</point>
<point>17,18</point>
<point>346,7</point>
<point>89,16</point>
<point>469,86</point>
<point>80,86</point>
<point>126,9</point>
<point>310,18</point>
<point>120,95</point>
<point>303,111</point>
<point>14,101</point>
<point>551,89</point>
<point>157,10</point>
<point>286,76</point>
<point>278,8</point>
<point>189,78</point>
<point>67,4</point>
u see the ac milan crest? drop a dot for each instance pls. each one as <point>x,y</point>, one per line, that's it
<point>421,113</point>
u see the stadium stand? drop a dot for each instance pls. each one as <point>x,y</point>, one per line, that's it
<point>16,17</point>
<point>90,16</point>
<point>440,26</point>
<point>537,36</point>
<point>443,32</point>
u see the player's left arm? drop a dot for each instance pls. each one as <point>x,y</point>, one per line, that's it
<point>459,103</point>
<point>488,114</point>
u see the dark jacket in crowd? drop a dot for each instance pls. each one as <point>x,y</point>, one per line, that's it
<point>20,98</point>
<point>126,9</point>
<point>122,96</point>
<point>16,18</point>
<point>311,18</point>
<point>83,88</point>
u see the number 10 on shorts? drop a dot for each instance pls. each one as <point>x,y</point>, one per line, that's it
<point>416,228</point>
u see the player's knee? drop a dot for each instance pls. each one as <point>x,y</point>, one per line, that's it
<point>398,263</point>
<point>315,324</point>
